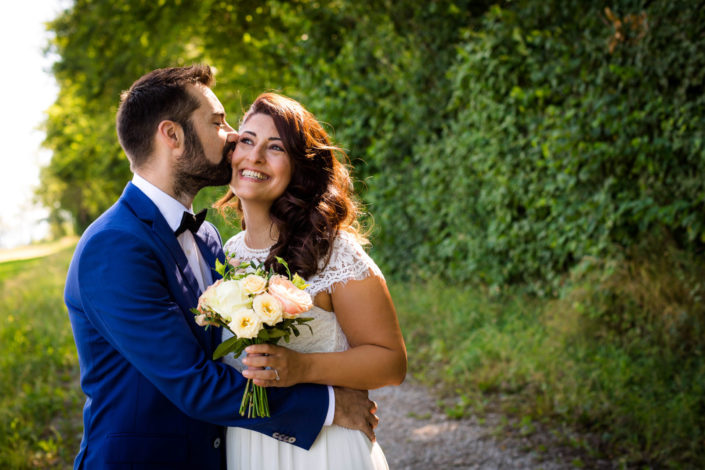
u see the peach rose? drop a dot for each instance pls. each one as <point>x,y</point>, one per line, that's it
<point>294,300</point>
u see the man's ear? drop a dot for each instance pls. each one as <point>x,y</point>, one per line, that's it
<point>171,135</point>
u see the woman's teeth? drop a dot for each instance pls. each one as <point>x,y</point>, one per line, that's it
<point>254,174</point>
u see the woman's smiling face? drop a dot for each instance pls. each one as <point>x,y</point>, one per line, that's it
<point>261,165</point>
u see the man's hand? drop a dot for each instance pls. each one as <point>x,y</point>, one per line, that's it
<point>354,410</point>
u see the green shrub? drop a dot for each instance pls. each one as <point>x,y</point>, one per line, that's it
<point>637,322</point>
<point>562,141</point>
<point>654,295</point>
<point>619,357</point>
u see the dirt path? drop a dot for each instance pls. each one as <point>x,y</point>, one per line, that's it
<point>416,435</point>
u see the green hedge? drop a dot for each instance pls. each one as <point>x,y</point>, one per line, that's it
<point>500,143</point>
<point>556,144</point>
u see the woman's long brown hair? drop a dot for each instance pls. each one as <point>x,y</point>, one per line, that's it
<point>318,203</point>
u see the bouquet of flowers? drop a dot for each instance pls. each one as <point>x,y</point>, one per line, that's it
<point>257,306</point>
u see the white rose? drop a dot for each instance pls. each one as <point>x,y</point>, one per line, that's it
<point>253,284</point>
<point>268,308</point>
<point>209,292</point>
<point>245,323</point>
<point>225,297</point>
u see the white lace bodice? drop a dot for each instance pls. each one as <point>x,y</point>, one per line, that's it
<point>348,262</point>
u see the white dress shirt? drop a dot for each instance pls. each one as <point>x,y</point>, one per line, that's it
<point>172,210</point>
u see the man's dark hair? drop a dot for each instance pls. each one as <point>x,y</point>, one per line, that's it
<point>157,96</point>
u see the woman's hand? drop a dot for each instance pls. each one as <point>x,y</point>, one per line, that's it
<point>273,366</point>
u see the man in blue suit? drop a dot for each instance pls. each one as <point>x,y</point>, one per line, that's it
<point>155,399</point>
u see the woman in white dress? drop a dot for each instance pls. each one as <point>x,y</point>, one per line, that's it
<point>295,201</point>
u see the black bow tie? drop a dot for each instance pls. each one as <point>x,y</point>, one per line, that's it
<point>191,222</point>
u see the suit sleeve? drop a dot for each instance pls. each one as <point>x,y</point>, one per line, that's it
<point>126,297</point>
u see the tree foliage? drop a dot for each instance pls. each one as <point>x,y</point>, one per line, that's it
<point>500,142</point>
<point>571,129</point>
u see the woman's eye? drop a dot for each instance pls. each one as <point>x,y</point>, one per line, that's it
<point>245,140</point>
<point>277,148</point>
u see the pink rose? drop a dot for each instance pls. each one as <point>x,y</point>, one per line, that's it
<point>294,300</point>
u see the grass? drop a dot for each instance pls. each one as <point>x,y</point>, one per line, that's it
<point>40,399</point>
<point>581,363</point>
<point>635,402</point>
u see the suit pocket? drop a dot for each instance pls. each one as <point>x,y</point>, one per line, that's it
<point>146,449</point>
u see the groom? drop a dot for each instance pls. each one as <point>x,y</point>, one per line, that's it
<point>155,399</point>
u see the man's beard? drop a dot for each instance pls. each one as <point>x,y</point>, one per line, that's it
<point>194,171</point>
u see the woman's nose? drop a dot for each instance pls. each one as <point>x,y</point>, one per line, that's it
<point>257,154</point>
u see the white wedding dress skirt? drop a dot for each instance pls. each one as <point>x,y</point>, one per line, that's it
<point>336,448</point>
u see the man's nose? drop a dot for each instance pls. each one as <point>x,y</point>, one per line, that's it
<point>232,133</point>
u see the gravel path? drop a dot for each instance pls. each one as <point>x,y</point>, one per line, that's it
<point>416,435</point>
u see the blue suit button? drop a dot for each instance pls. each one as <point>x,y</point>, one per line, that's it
<point>216,443</point>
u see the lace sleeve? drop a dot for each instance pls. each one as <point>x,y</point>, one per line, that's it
<point>348,262</point>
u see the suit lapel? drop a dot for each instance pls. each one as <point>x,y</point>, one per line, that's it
<point>208,243</point>
<point>164,233</point>
<point>210,247</point>
<point>145,209</point>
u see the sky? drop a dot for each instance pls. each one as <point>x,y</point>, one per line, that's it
<point>28,89</point>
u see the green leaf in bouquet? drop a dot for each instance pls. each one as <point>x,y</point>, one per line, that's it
<point>220,268</point>
<point>277,333</point>
<point>233,345</point>
<point>285,264</point>
<point>299,282</point>
<point>304,322</point>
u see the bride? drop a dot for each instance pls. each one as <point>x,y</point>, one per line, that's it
<point>295,201</point>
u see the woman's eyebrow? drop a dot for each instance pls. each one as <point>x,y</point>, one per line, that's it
<point>255,135</point>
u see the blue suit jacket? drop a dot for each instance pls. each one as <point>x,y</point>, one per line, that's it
<point>155,399</point>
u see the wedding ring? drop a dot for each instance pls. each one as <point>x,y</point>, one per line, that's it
<point>276,375</point>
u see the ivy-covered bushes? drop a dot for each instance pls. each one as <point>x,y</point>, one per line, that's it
<point>500,143</point>
<point>570,129</point>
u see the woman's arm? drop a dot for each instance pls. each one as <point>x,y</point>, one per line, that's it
<point>377,355</point>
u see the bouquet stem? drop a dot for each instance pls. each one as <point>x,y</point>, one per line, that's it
<point>254,401</point>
